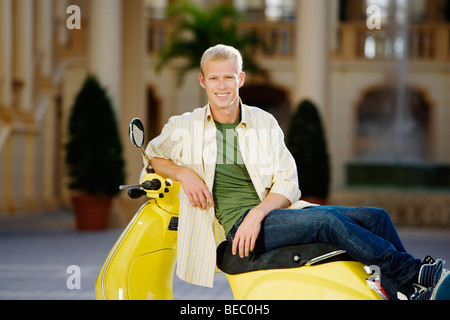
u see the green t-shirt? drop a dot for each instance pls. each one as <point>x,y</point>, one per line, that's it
<point>233,190</point>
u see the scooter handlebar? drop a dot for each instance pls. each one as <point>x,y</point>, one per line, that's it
<point>154,184</point>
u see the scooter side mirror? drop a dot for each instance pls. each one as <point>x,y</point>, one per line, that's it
<point>136,131</point>
<point>137,136</point>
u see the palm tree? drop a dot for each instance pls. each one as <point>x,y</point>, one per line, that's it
<point>197,30</point>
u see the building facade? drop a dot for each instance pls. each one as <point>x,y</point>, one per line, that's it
<point>378,71</point>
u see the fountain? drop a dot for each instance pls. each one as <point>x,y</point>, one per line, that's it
<point>393,124</point>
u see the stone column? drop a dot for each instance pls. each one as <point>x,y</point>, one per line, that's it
<point>133,92</point>
<point>312,54</point>
<point>60,15</point>
<point>44,36</point>
<point>105,46</point>
<point>23,72</point>
<point>6,55</point>
<point>5,103</point>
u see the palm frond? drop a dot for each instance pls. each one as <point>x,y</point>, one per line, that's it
<point>197,30</point>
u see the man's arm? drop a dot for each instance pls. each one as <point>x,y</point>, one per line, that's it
<point>194,187</point>
<point>284,191</point>
<point>250,228</point>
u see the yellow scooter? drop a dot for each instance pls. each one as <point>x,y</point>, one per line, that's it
<point>141,264</point>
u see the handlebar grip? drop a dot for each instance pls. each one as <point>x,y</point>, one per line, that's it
<point>136,193</point>
<point>155,184</point>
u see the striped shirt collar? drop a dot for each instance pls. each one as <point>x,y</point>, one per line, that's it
<point>244,114</point>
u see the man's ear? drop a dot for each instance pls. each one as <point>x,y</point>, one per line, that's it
<point>202,80</point>
<point>241,79</point>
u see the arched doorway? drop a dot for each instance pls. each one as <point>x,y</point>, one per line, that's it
<point>152,126</point>
<point>393,142</point>
<point>388,131</point>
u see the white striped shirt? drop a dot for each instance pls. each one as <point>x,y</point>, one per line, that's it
<point>190,140</point>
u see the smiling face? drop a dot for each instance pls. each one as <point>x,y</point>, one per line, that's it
<point>222,81</point>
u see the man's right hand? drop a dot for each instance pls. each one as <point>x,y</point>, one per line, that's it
<point>194,187</point>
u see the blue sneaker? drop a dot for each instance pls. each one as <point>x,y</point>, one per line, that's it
<point>433,282</point>
<point>430,274</point>
<point>442,289</point>
<point>422,293</point>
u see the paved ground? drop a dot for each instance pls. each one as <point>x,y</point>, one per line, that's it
<point>36,251</point>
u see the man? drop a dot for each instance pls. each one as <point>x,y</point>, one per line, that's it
<point>239,180</point>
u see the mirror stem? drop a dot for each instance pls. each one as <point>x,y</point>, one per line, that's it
<point>145,156</point>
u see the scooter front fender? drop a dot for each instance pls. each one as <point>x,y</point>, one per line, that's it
<point>142,262</point>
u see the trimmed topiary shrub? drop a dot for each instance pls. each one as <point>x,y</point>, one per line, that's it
<point>306,141</point>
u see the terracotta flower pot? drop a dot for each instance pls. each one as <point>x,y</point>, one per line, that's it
<point>91,212</point>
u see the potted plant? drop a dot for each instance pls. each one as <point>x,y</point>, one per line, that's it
<point>306,141</point>
<point>93,156</point>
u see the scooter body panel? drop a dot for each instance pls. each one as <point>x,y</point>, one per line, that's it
<point>142,262</point>
<point>339,280</point>
<point>151,276</point>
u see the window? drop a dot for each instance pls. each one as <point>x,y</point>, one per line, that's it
<point>391,41</point>
<point>156,9</point>
<point>370,48</point>
<point>382,4</point>
<point>399,11</point>
<point>280,10</point>
<point>272,10</point>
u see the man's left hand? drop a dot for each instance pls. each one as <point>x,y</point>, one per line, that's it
<point>246,235</point>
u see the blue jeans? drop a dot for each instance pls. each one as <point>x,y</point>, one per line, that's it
<point>367,234</point>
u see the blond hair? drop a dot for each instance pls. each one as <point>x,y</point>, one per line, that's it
<point>222,52</point>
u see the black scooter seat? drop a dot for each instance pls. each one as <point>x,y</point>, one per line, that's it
<point>282,258</point>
